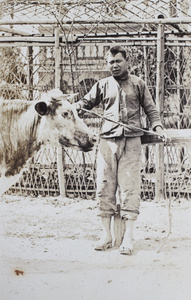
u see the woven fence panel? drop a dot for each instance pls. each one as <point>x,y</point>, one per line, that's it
<point>26,72</point>
<point>40,177</point>
<point>177,115</point>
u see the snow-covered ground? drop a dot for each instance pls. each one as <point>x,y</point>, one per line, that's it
<point>47,252</point>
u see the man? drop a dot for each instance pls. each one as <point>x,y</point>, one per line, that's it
<point>119,154</point>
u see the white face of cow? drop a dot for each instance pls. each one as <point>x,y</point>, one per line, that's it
<point>60,124</point>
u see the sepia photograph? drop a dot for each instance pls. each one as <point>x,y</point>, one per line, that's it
<point>95,149</point>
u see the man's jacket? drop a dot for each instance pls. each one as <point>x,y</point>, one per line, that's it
<point>122,101</point>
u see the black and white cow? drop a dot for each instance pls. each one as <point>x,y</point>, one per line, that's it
<point>27,125</point>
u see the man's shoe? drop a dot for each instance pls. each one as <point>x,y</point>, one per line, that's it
<point>103,247</point>
<point>125,250</point>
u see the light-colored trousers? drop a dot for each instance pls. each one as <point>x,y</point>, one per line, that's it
<point>118,176</point>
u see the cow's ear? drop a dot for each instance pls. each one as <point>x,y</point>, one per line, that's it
<point>41,108</point>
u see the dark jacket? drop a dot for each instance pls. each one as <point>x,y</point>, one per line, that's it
<point>122,101</point>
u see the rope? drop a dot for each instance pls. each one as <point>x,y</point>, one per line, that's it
<point>169,222</point>
<point>169,227</point>
<point>130,127</point>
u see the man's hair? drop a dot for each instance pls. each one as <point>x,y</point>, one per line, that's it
<point>117,49</point>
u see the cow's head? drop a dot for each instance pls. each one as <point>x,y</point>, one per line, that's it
<point>60,123</point>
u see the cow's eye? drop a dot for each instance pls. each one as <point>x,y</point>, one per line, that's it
<point>65,114</point>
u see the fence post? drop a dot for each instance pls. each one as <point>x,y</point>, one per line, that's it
<point>30,72</point>
<point>159,186</point>
<point>60,165</point>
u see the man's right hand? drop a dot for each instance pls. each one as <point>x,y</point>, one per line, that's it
<point>77,106</point>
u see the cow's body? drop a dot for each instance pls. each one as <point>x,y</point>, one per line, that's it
<point>25,126</point>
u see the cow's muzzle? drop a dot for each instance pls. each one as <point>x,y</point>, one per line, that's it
<point>89,145</point>
<point>84,145</point>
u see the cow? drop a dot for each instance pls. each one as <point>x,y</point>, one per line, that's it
<point>25,126</point>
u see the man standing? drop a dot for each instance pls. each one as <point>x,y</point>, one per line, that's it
<point>119,154</point>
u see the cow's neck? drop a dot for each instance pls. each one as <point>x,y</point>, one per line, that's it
<point>20,156</point>
<point>14,163</point>
<point>18,150</point>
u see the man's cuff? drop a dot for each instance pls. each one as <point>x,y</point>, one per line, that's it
<point>154,128</point>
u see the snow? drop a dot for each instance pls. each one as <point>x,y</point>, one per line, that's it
<point>50,243</point>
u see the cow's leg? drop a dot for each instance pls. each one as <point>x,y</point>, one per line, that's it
<point>127,243</point>
<point>106,240</point>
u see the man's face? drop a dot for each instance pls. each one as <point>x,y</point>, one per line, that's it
<point>117,64</point>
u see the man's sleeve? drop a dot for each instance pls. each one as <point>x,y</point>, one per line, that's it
<point>91,99</point>
<point>150,107</point>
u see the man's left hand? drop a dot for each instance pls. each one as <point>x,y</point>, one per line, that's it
<point>162,134</point>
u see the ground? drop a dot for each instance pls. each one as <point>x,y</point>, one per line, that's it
<point>47,252</point>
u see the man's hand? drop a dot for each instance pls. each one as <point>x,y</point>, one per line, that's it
<point>162,134</point>
<point>77,106</point>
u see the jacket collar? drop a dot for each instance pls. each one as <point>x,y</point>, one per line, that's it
<point>122,78</point>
